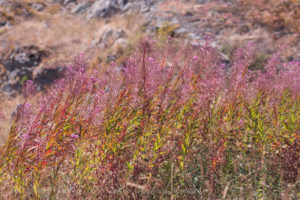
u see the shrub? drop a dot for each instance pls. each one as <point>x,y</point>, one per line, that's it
<point>173,123</point>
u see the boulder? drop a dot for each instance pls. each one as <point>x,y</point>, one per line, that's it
<point>108,38</point>
<point>120,42</point>
<point>23,64</point>
<point>82,7</point>
<point>44,76</point>
<point>66,2</point>
<point>24,57</point>
<point>106,8</point>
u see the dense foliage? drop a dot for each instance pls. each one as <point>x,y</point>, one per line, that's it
<point>173,123</point>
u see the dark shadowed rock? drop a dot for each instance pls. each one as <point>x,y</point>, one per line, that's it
<point>44,76</point>
<point>22,64</point>
<point>38,6</point>
<point>5,19</point>
<point>65,2</point>
<point>24,57</point>
<point>111,58</point>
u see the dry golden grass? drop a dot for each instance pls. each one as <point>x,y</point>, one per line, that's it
<point>178,7</point>
<point>132,25</point>
<point>264,42</point>
<point>64,36</point>
<point>7,107</point>
<point>274,14</point>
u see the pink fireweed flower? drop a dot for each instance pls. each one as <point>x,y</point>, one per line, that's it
<point>82,70</point>
<point>289,78</point>
<point>207,37</point>
<point>2,116</point>
<point>273,64</point>
<point>295,62</point>
<point>29,88</point>
<point>74,136</point>
<point>80,62</point>
<point>150,58</point>
<point>241,122</point>
<point>27,106</point>
<point>92,78</point>
<point>25,137</point>
<point>24,111</point>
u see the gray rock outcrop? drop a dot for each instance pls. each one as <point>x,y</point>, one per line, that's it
<point>22,64</point>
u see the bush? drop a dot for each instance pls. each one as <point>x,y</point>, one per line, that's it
<point>173,123</point>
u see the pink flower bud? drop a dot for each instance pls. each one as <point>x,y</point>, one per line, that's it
<point>29,88</point>
<point>74,136</point>
<point>150,58</point>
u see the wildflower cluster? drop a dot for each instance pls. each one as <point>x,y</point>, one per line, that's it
<point>172,119</point>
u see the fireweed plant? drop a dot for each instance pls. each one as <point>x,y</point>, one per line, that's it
<point>173,123</point>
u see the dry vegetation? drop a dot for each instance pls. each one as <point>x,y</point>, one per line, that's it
<point>68,35</point>
<point>274,14</point>
<point>63,36</point>
<point>162,120</point>
<point>174,124</point>
<point>7,106</point>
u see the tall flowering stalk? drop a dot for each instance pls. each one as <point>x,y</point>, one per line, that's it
<point>173,118</point>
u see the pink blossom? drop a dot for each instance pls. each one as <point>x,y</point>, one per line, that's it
<point>150,58</point>
<point>74,136</point>
<point>195,57</point>
<point>29,88</point>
